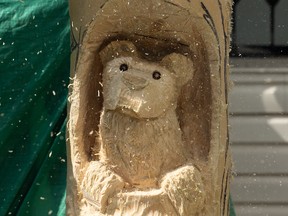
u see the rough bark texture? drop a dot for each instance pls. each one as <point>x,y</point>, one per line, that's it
<point>148,108</point>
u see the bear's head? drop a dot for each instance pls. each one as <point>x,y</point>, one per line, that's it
<point>141,88</point>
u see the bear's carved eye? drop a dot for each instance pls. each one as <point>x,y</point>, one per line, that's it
<point>123,67</point>
<point>156,75</point>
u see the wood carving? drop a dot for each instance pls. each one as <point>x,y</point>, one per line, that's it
<point>148,108</point>
<point>140,136</point>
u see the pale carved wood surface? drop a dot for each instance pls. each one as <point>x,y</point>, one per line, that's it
<point>148,108</point>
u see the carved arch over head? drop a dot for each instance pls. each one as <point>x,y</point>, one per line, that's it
<point>196,103</point>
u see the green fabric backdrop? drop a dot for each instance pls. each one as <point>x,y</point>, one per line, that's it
<point>34,71</point>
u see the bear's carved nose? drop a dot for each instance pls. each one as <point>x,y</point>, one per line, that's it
<point>134,82</point>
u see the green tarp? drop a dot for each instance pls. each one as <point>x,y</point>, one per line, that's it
<point>34,73</point>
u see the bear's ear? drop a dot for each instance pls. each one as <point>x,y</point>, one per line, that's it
<point>117,49</point>
<point>180,65</point>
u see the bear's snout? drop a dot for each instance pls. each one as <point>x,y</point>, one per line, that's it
<point>134,82</point>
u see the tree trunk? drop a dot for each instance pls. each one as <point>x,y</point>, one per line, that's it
<point>147,130</point>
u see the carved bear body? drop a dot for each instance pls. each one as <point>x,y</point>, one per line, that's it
<point>139,129</point>
<point>142,154</point>
<point>141,151</point>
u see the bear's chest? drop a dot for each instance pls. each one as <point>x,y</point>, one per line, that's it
<point>142,151</point>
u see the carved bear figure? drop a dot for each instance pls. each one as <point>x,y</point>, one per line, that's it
<point>142,152</point>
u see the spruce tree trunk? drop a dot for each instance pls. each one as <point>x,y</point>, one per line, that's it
<point>164,148</point>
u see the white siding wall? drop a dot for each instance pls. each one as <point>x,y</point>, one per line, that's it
<point>259,136</point>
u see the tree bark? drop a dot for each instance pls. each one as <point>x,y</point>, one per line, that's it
<point>180,163</point>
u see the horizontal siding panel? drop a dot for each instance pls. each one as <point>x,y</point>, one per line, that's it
<point>264,78</point>
<point>259,210</point>
<point>259,136</point>
<point>259,70</point>
<point>259,99</point>
<point>258,129</point>
<point>261,64</point>
<point>260,189</point>
<point>260,159</point>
